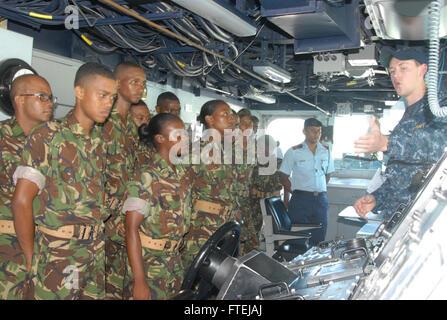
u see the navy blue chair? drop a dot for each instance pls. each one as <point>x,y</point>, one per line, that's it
<point>279,232</point>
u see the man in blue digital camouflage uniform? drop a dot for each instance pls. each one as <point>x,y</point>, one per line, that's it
<point>309,166</point>
<point>414,145</point>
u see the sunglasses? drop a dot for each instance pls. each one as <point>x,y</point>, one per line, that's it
<point>42,96</point>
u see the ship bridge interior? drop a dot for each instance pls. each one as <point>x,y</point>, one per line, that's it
<point>287,59</point>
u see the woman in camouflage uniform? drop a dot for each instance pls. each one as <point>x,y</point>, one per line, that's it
<point>214,175</point>
<point>157,208</point>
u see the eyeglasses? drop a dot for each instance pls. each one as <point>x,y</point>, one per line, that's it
<point>136,82</point>
<point>42,96</point>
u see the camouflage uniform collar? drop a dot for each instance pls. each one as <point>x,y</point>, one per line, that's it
<point>16,129</point>
<point>129,125</point>
<point>76,128</point>
<point>162,164</point>
<point>114,113</point>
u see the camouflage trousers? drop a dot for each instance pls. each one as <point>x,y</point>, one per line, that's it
<point>203,225</point>
<point>256,215</point>
<point>68,269</point>
<point>249,239</point>
<point>14,284</point>
<point>164,273</point>
<point>116,260</point>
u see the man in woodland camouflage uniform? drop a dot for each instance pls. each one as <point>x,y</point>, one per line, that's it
<point>122,145</point>
<point>63,164</point>
<point>244,167</point>
<point>168,102</point>
<point>32,101</point>
<point>263,186</point>
<point>140,114</point>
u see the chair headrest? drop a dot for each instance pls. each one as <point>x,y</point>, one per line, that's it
<point>279,212</point>
<point>272,200</point>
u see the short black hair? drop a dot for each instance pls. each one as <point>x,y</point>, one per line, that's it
<point>312,122</point>
<point>148,132</point>
<point>166,96</point>
<point>244,113</point>
<point>124,65</point>
<point>208,109</point>
<point>254,119</point>
<point>139,103</point>
<point>92,69</point>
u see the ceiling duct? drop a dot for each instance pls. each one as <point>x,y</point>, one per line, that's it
<point>403,19</point>
<point>253,93</point>
<point>360,65</point>
<point>220,14</point>
<point>367,56</point>
<point>316,25</point>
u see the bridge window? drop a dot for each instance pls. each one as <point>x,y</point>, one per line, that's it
<point>347,129</point>
<point>288,131</point>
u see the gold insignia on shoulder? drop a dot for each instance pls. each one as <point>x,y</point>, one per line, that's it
<point>419,126</point>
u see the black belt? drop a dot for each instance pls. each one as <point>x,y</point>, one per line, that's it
<point>315,194</point>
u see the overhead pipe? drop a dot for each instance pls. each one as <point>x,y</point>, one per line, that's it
<point>217,55</point>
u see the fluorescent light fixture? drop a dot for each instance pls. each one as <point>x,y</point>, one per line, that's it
<point>254,93</point>
<point>264,98</point>
<point>390,103</point>
<point>220,15</point>
<point>272,72</point>
<point>368,108</point>
<point>364,58</point>
<point>362,62</point>
<point>218,90</point>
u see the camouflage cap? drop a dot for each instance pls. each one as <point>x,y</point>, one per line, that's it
<point>403,53</point>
